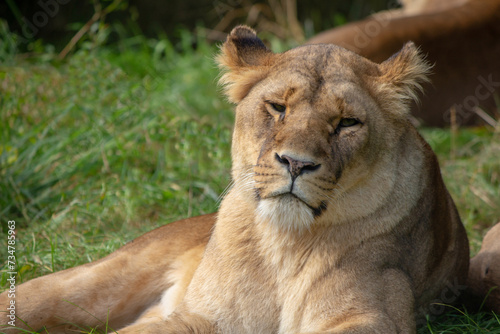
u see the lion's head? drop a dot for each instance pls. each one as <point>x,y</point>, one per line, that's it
<point>317,126</point>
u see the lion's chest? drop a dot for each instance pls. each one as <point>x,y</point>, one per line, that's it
<point>254,306</point>
<point>268,293</point>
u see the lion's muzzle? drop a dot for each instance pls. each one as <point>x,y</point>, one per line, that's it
<point>296,167</point>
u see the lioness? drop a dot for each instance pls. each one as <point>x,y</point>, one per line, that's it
<point>338,220</point>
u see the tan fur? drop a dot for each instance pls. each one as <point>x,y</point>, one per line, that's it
<point>111,292</point>
<point>338,220</point>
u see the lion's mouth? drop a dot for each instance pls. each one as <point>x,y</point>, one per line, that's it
<point>288,211</point>
<point>316,210</point>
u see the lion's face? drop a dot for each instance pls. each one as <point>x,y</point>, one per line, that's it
<point>311,123</point>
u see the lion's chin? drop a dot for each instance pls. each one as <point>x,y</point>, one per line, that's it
<point>285,212</point>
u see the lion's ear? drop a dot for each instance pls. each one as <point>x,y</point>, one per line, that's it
<point>402,76</point>
<point>244,61</point>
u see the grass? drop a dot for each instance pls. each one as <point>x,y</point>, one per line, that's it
<point>95,153</point>
<point>105,146</point>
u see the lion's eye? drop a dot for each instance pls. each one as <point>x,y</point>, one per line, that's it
<point>347,122</point>
<point>278,107</point>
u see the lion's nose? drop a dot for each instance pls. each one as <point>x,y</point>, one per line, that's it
<point>296,167</point>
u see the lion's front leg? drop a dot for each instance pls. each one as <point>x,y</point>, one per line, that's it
<point>175,324</point>
<point>368,324</point>
<point>388,309</point>
<point>108,293</point>
<point>114,291</point>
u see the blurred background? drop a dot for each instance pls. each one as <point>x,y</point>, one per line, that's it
<point>56,21</point>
